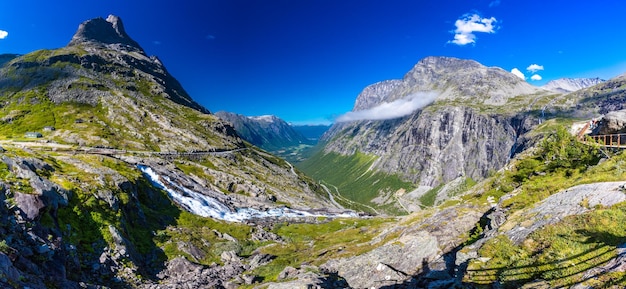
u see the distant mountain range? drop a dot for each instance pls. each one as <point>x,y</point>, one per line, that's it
<point>267,132</point>
<point>566,85</point>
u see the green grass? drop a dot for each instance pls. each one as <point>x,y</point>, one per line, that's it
<point>428,199</point>
<point>559,254</point>
<point>316,243</point>
<point>352,176</point>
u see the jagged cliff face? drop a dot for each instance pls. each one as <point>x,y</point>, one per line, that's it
<point>267,132</point>
<point>456,137</point>
<point>432,147</point>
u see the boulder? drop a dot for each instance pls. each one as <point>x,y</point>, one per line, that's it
<point>612,123</point>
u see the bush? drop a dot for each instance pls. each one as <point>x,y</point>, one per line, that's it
<point>562,150</point>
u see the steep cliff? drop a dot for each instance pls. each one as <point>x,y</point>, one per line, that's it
<point>472,128</point>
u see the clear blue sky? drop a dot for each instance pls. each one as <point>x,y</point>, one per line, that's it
<point>307,60</point>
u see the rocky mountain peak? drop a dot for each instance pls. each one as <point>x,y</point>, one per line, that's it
<point>101,31</point>
<point>443,62</point>
<point>566,85</point>
<point>452,79</point>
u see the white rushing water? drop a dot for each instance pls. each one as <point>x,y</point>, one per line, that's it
<point>206,206</point>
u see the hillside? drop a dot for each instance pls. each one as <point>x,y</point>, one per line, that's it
<point>80,123</point>
<point>267,132</point>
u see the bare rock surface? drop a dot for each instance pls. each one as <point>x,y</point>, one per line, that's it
<point>393,262</point>
<point>573,201</point>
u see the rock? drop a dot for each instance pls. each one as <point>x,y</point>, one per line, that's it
<point>100,31</point>
<point>261,235</point>
<point>259,259</point>
<point>7,269</point>
<point>189,248</point>
<point>310,278</point>
<point>287,273</point>
<point>613,122</point>
<point>229,257</point>
<point>30,205</point>
<point>229,238</point>
<point>393,262</point>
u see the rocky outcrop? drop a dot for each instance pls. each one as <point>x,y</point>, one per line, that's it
<point>100,31</point>
<point>382,266</point>
<point>181,273</point>
<point>420,251</point>
<point>613,122</point>
<point>45,195</point>
<point>573,201</point>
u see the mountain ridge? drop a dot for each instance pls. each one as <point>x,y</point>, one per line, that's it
<point>566,85</point>
<point>451,78</point>
<point>268,131</point>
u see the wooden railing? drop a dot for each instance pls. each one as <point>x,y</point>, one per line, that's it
<point>607,140</point>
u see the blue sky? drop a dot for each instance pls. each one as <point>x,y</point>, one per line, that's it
<point>306,60</point>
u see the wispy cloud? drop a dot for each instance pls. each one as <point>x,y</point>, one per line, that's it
<point>210,37</point>
<point>390,110</point>
<point>534,68</point>
<point>494,3</point>
<point>3,34</point>
<point>536,77</point>
<point>468,24</point>
<point>156,42</point>
<point>518,73</point>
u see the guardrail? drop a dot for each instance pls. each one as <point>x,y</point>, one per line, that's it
<point>607,140</point>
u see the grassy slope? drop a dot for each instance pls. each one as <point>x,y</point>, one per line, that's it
<point>352,177</point>
<point>559,254</point>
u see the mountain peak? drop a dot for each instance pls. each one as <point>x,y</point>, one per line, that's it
<point>566,85</point>
<point>101,31</point>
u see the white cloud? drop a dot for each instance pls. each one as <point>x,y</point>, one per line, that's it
<point>518,73</point>
<point>389,110</point>
<point>468,24</point>
<point>534,68</point>
<point>3,34</point>
<point>536,77</point>
<point>494,3</point>
<point>210,37</point>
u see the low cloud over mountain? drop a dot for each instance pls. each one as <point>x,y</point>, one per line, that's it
<point>389,110</point>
